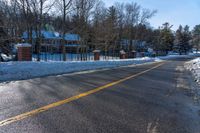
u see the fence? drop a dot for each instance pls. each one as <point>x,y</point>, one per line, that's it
<point>45,56</point>
<point>56,54</point>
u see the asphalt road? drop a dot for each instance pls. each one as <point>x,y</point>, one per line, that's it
<point>154,98</point>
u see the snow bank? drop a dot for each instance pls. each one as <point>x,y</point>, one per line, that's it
<point>194,67</point>
<point>26,70</point>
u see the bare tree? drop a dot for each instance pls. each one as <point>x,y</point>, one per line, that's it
<point>120,18</point>
<point>81,18</point>
<point>33,13</point>
<point>65,7</point>
<point>132,18</point>
<point>91,19</point>
<point>10,15</point>
<point>146,15</point>
<point>99,31</point>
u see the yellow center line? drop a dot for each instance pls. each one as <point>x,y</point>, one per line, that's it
<point>73,98</point>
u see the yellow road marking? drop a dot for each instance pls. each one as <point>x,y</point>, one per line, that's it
<point>73,98</point>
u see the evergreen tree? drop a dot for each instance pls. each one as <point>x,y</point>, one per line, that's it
<point>186,39</point>
<point>166,38</point>
<point>196,37</point>
<point>181,43</point>
<point>111,24</point>
<point>156,40</point>
<point>178,40</point>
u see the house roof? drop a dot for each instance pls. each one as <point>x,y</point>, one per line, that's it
<point>50,34</point>
<point>53,35</point>
<point>72,45</point>
<point>45,34</point>
<point>23,45</point>
<point>72,37</point>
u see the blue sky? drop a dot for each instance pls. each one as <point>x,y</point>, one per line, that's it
<point>185,12</point>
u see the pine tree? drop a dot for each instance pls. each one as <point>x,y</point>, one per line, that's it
<point>186,38</point>
<point>166,38</point>
<point>181,43</point>
<point>111,25</point>
<point>196,37</point>
<point>178,40</point>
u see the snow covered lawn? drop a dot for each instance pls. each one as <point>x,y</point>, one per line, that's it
<point>26,70</point>
<point>194,67</point>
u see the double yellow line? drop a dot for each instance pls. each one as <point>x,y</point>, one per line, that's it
<point>73,98</point>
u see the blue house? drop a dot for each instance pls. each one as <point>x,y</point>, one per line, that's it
<point>72,43</point>
<point>72,40</point>
<point>52,41</point>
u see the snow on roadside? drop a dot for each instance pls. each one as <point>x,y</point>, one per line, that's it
<point>194,67</point>
<point>25,70</point>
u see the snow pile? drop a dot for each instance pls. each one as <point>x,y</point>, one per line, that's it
<point>26,70</point>
<point>194,67</point>
<point>171,57</point>
<point>5,57</point>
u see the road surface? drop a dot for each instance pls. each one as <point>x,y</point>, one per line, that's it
<point>152,98</point>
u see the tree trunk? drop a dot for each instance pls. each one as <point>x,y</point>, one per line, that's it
<point>63,49</point>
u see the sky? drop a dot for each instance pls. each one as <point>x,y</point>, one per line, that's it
<point>176,12</point>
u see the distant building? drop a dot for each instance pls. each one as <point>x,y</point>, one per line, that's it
<point>139,46</point>
<point>52,41</point>
<point>72,42</point>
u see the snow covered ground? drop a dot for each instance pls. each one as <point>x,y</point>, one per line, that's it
<point>194,67</point>
<point>25,70</point>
